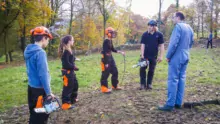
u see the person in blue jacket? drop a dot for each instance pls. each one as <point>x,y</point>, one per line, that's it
<point>38,74</point>
<point>209,40</point>
<point>178,57</point>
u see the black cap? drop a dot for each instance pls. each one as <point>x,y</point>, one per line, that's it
<point>152,23</point>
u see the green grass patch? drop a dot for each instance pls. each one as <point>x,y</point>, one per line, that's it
<point>203,68</point>
<point>17,56</point>
<point>2,59</point>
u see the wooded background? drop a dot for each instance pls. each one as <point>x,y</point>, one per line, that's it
<point>87,19</point>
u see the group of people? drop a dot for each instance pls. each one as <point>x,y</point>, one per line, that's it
<point>151,43</point>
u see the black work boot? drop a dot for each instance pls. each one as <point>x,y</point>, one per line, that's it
<point>142,87</point>
<point>149,87</point>
<point>178,106</point>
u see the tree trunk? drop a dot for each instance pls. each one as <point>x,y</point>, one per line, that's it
<point>202,19</point>
<point>71,17</point>
<point>22,44</point>
<point>211,25</point>
<point>198,26</point>
<point>129,23</point>
<point>177,5</point>
<point>49,48</point>
<point>52,16</point>
<point>104,19</point>
<point>216,34</point>
<point>159,16</point>
<point>56,10</point>
<point>89,15</point>
<point>6,47</point>
<point>23,38</point>
<point>10,56</point>
<point>192,23</point>
<point>202,23</point>
<point>216,22</point>
<point>6,58</point>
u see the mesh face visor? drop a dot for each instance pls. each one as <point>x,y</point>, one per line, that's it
<point>114,34</point>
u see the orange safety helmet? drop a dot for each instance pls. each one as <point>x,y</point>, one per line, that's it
<point>109,31</point>
<point>41,30</point>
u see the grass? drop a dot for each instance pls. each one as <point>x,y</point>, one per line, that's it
<point>18,56</point>
<point>203,68</point>
<point>2,59</point>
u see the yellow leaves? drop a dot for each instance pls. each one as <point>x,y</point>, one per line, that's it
<point>73,24</point>
<point>3,9</point>
<point>33,13</point>
<point>131,20</point>
<point>102,116</point>
<point>3,6</point>
<point>90,32</point>
<point>118,23</point>
<point>87,32</point>
<point>77,37</point>
<point>215,25</point>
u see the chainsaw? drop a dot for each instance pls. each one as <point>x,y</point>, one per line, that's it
<point>142,63</point>
<point>49,106</point>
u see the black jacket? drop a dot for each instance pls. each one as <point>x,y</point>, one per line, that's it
<point>107,49</point>
<point>68,60</point>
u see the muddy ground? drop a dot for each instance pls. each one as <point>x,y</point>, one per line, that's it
<point>129,106</point>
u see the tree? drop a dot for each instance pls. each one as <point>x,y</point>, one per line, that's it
<point>216,11</point>
<point>103,9</point>
<point>190,14</point>
<point>118,20</point>
<point>71,15</point>
<point>198,11</point>
<point>90,32</point>
<point>9,13</point>
<point>55,7</point>
<point>159,15</point>
<point>177,5</point>
<point>129,12</point>
<point>166,29</point>
<point>88,12</point>
<point>203,8</point>
<point>138,26</point>
<point>30,17</point>
<point>214,8</point>
<point>211,29</point>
